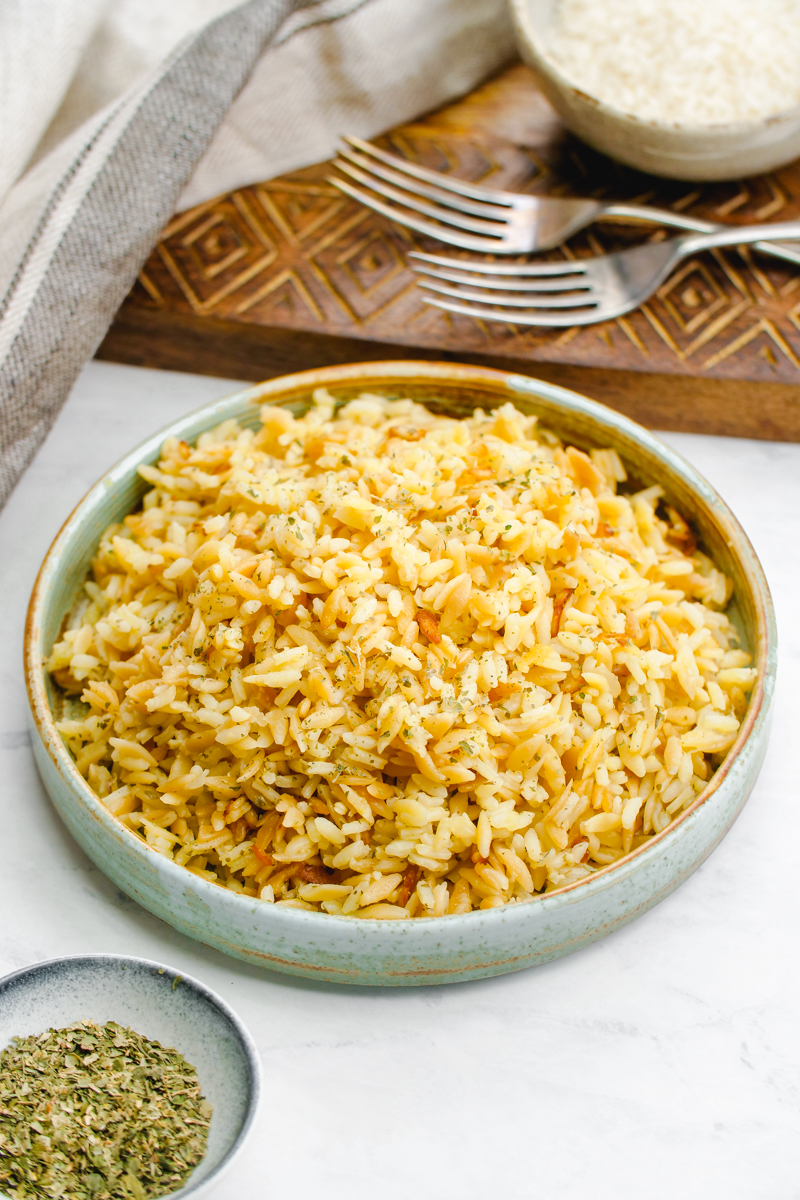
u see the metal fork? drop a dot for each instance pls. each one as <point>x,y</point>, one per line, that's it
<point>479,218</point>
<point>575,291</point>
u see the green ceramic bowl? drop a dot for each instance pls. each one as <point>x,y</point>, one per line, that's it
<point>443,949</point>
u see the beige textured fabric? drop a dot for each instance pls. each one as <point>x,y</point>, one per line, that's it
<point>99,213</point>
<point>115,143</point>
<point>386,63</point>
<point>355,66</point>
<point>36,71</point>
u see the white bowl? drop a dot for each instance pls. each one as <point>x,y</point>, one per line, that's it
<point>701,152</point>
<point>145,996</point>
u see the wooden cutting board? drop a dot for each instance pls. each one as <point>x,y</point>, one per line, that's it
<point>290,274</point>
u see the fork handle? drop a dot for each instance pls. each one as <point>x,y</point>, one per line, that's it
<point>654,216</point>
<point>663,216</point>
<point>739,235</point>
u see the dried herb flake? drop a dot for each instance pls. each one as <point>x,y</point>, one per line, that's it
<point>98,1113</point>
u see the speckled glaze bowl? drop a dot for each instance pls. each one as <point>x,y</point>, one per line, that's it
<point>702,152</point>
<point>434,950</point>
<point>156,1001</point>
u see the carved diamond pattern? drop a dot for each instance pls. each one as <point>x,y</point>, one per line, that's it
<point>283,296</point>
<point>693,296</point>
<point>299,211</point>
<point>364,269</point>
<point>372,262</point>
<point>215,245</point>
<point>216,254</point>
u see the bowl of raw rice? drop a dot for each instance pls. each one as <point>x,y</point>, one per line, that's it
<point>400,673</point>
<point>683,90</point>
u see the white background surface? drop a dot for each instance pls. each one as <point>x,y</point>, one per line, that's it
<point>661,1062</point>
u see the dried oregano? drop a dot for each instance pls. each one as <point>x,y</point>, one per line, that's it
<point>98,1112</point>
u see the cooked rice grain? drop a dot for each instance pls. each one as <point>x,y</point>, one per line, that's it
<point>385,663</point>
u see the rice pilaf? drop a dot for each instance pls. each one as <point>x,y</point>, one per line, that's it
<point>384,663</point>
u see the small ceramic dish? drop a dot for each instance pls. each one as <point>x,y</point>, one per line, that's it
<point>442,949</point>
<point>175,1010</point>
<point>725,151</point>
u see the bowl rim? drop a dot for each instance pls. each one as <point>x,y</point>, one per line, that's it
<point>243,1035</point>
<point>279,390</point>
<point>536,45</point>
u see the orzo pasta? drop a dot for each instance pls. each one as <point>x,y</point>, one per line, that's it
<point>384,663</point>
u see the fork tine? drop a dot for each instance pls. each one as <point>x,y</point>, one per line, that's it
<point>445,215</point>
<point>547,300</point>
<point>510,283</point>
<point>474,191</point>
<point>451,236</point>
<point>440,195</point>
<point>515,270</point>
<point>542,319</point>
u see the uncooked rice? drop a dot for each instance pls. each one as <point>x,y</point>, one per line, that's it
<point>384,663</point>
<point>679,61</point>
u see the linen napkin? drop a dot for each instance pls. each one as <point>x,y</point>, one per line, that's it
<point>111,126</point>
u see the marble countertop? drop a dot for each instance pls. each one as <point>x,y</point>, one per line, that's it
<point>661,1062</point>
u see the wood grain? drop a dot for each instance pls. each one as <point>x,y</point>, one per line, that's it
<point>290,274</point>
